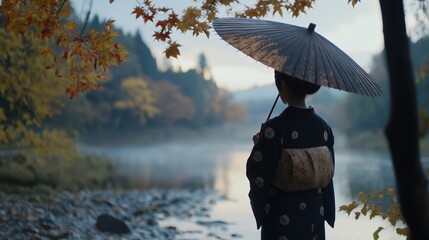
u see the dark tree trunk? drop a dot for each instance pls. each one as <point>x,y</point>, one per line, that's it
<point>402,129</point>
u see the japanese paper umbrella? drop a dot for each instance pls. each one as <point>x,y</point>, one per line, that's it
<point>298,52</point>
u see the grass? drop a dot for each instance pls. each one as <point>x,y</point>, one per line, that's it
<point>48,176</point>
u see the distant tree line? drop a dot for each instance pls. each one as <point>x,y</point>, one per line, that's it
<point>363,114</point>
<point>139,95</point>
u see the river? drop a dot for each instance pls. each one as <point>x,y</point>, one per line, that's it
<point>221,166</point>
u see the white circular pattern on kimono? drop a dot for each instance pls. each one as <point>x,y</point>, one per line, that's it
<point>283,238</point>
<point>322,210</point>
<point>259,182</point>
<point>269,133</point>
<point>284,220</point>
<point>302,206</point>
<point>320,190</point>
<point>312,227</point>
<point>325,136</point>
<point>267,208</point>
<point>295,135</point>
<point>257,156</point>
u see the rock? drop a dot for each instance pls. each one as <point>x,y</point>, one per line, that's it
<point>212,223</point>
<point>108,223</point>
<point>236,235</point>
<point>151,222</point>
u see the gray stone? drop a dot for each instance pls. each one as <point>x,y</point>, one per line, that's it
<point>108,223</point>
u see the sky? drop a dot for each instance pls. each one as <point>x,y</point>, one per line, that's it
<point>356,30</point>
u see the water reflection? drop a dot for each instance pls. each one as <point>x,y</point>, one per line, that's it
<point>221,166</point>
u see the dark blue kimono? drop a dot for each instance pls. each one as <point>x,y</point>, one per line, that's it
<point>289,215</point>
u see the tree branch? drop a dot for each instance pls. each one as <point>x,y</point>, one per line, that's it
<point>86,19</point>
<point>61,7</point>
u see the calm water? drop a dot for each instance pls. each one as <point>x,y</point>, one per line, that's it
<point>221,166</point>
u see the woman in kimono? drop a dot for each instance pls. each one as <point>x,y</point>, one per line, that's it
<point>291,215</point>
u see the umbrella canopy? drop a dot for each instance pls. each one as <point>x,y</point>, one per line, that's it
<point>298,52</point>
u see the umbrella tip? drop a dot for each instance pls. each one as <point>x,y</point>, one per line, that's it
<point>311,27</point>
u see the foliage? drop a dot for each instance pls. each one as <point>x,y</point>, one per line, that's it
<point>370,114</point>
<point>172,104</point>
<point>80,57</point>
<point>424,109</point>
<point>137,99</point>
<point>196,18</point>
<point>48,175</point>
<point>234,112</point>
<point>28,95</point>
<point>371,205</point>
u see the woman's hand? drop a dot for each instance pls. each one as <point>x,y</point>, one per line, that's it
<point>255,138</point>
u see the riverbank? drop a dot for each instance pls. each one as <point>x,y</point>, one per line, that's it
<point>74,216</point>
<point>378,142</point>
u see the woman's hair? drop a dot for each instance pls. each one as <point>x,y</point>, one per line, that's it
<point>298,88</point>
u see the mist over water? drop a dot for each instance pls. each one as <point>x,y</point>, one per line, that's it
<point>216,161</point>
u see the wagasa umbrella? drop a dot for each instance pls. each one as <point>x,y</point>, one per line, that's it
<point>297,51</point>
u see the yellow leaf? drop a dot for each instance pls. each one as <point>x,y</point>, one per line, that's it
<point>403,231</point>
<point>357,215</point>
<point>390,191</point>
<point>349,208</point>
<point>375,212</point>
<point>354,2</point>
<point>364,209</point>
<point>278,9</point>
<point>375,234</point>
<point>393,218</point>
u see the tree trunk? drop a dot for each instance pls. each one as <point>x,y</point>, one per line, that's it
<point>402,128</point>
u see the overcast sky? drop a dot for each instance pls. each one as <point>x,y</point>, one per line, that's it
<point>357,31</point>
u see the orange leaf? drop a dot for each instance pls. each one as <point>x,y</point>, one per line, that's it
<point>65,55</point>
<point>72,91</point>
<point>161,36</point>
<point>139,12</point>
<point>172,50</point>
<point>148,17</point>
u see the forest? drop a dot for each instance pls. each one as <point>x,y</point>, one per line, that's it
<point>43,118</point>
<point>139,96</point>
<point>367,117</point>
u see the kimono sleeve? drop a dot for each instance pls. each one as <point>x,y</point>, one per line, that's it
<point>260,169</point>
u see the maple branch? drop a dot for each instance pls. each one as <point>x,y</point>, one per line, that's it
<point>86,19</point>
<point>61,7</point>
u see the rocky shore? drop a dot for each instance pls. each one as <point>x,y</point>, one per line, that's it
<point>111,215</point>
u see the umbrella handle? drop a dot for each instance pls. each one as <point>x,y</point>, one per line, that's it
<point>271,111</point>
<point>272,108</point>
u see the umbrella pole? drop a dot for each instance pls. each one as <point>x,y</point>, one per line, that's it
<point>272,108</point>
<point>271,111</point>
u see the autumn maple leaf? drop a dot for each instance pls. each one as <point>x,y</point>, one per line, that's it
<point>172,50</point>
<point>138,11</point>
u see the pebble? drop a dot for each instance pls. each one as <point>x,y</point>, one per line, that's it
<point>74,215</point>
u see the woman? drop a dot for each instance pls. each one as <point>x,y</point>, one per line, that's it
<point>297,215</point>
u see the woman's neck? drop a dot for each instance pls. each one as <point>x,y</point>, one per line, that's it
<point>298,103</point>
